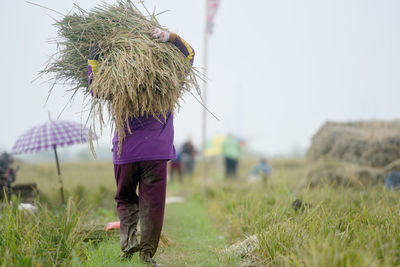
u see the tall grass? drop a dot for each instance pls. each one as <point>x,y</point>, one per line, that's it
<point>47,238</point>
<point>340,226</point>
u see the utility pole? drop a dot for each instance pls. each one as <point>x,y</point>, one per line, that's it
<point>204,98</point>
<point>210,12</point>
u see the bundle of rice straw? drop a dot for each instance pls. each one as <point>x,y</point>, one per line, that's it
<point>137,76</point>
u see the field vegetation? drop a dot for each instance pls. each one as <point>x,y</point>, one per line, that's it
<point>335,226</point>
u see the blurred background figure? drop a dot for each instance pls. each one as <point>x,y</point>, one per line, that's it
<point>392,180</point>
<point>231,154</point>
<point>7,176</point>
<point>260,172</point>
<point>175,168</point>
<point>187,157</point>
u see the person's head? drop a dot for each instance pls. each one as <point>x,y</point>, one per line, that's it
<point>188,138</point>
<point>264,160</point>
<point>6,158</point>
<point>230,136</point>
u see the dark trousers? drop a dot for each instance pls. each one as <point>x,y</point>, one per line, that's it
<point>148,207</point>
<point>230,167</point>
<point>187,164</point>
<point>175,167</point>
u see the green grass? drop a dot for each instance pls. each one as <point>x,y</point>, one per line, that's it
<point>342,226</point>
<point>51,237</point>
<point>195,241</point>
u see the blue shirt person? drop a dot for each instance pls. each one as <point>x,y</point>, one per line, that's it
<point>260,172</point>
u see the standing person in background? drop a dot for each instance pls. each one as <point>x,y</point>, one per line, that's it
<point>143,164</point>
<point>175,167</point>
<point>231,154</point>
<point>7,176</point>
<point>187,157</point>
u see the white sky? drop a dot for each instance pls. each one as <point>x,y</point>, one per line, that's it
<point>277,69</point>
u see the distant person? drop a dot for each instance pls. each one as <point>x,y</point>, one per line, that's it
<point>392,180</point>
<point>187,157</point>
<point>260,172</point>
<point>231,154</point>
<point>7,176</point>
<point>175,167</point>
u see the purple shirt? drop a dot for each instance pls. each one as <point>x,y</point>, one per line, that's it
<point>150,140</point>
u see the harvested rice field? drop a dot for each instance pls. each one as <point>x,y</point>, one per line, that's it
<point>336,226</point>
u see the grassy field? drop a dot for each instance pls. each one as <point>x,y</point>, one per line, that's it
<point>337,227</point>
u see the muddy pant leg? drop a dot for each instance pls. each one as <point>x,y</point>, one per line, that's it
<point>127,178</point>
<point>152,190</point>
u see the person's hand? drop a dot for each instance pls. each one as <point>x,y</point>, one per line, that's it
<point>160,35</point>
<point>95,51</point>
<point>101,43</point>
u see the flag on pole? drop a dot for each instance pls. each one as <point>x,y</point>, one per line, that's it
<point>212,7</point>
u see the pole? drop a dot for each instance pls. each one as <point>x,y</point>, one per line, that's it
<point>59,175</point>
<point>204,119</point>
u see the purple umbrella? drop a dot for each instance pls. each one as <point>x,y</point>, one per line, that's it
<point>51,135</point>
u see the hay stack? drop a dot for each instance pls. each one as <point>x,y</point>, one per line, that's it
<point>354,153</point>
<point>370,143</point>
<point>137,76</point>
<point>393,167</point>
<point>342,174</point>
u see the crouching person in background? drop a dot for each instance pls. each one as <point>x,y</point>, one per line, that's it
<point>260,172</point>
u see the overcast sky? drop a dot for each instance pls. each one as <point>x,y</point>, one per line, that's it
<point>278,69</point>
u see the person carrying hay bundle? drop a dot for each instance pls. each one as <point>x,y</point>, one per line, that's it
<point>137,72</point>
<point>141,162</point>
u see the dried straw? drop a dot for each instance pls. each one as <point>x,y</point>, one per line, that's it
<point>137,76</point>
<point>367,143</point>
<point>354,153</point>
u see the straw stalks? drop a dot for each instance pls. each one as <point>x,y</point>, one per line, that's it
<point>137,76</point>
